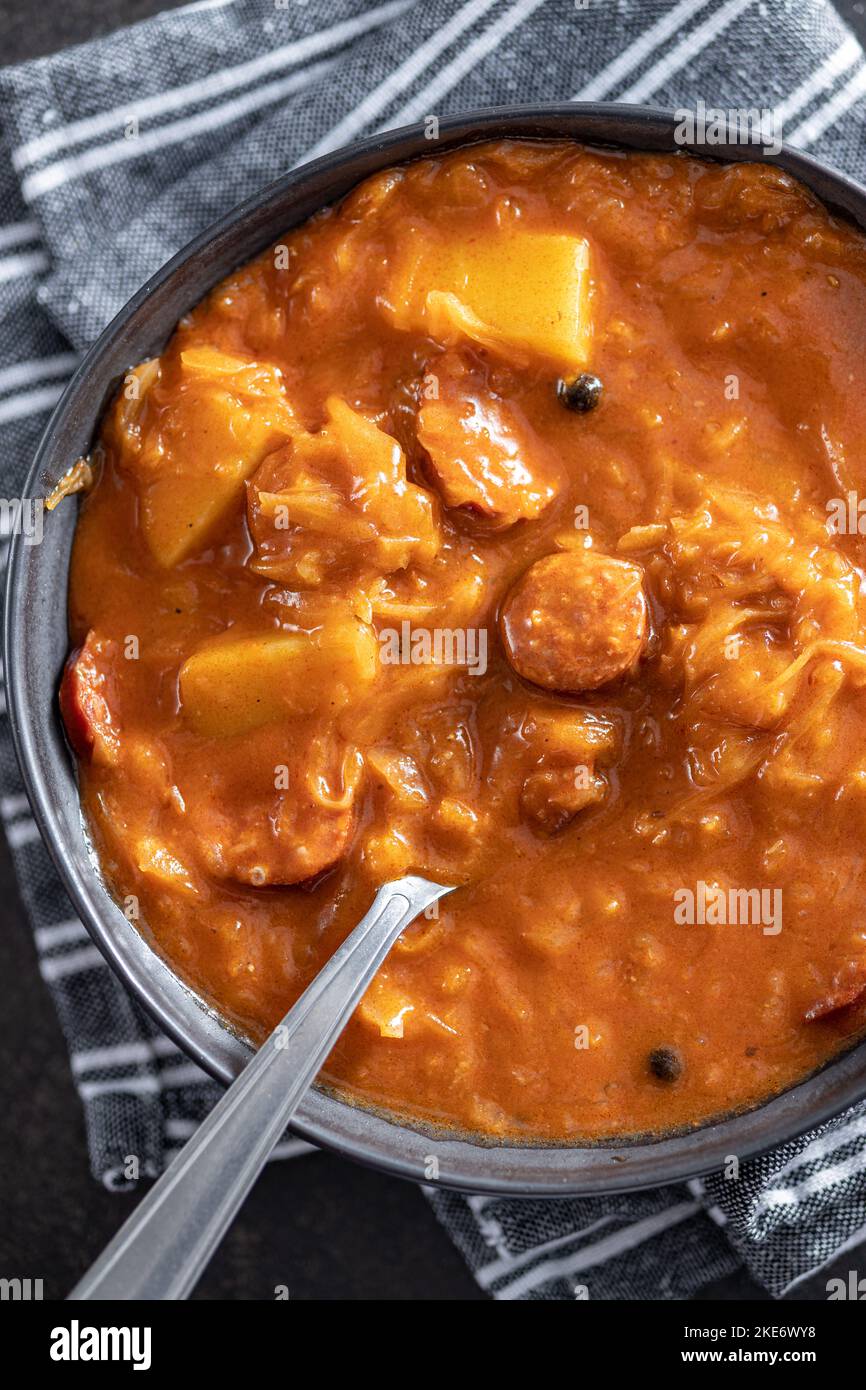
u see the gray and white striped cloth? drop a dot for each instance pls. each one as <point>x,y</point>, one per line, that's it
<point>114,154</point>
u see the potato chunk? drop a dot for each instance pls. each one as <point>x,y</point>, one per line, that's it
<point>519,293</point>
<point>485,456</point>
<point>199,428</point>
<point>236,683</point>
<point>575,621</point>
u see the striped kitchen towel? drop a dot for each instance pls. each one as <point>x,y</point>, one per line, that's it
<point>113,155</point>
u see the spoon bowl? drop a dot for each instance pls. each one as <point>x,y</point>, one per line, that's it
<point>36,642</point>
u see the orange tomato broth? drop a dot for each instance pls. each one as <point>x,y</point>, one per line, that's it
<point>362,429</point>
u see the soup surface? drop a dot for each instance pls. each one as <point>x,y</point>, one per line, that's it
<point>502,524</point>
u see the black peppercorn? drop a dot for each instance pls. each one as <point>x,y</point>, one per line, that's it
<point>583,394</point>
<point>666,1063</point>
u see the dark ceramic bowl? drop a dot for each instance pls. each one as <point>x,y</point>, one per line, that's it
<point>36,644</point>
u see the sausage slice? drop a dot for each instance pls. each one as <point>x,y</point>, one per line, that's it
<point>86,700</point>
<point>287,844</point>
<point>484,457</point>
<point>848,988</point>
<point>575,621</point>
<point>249,832</point>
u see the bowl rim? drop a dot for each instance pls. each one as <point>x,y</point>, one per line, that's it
<point>364,1135</point>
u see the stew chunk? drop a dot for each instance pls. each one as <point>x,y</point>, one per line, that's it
<point>575,621</point>
<point>194,430</point>
<point>335,505</point>
<point>85,704</point>
<point>848,988</point>
<point>521,294</point>
<point>232,684</point>
<point>249,832</point>
<point>482,452</point>
<point>565,745</point>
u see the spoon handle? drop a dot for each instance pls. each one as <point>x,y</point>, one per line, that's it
<point>160,1252</point>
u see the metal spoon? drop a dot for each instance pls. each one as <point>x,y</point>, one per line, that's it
<point>161,1251</point>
